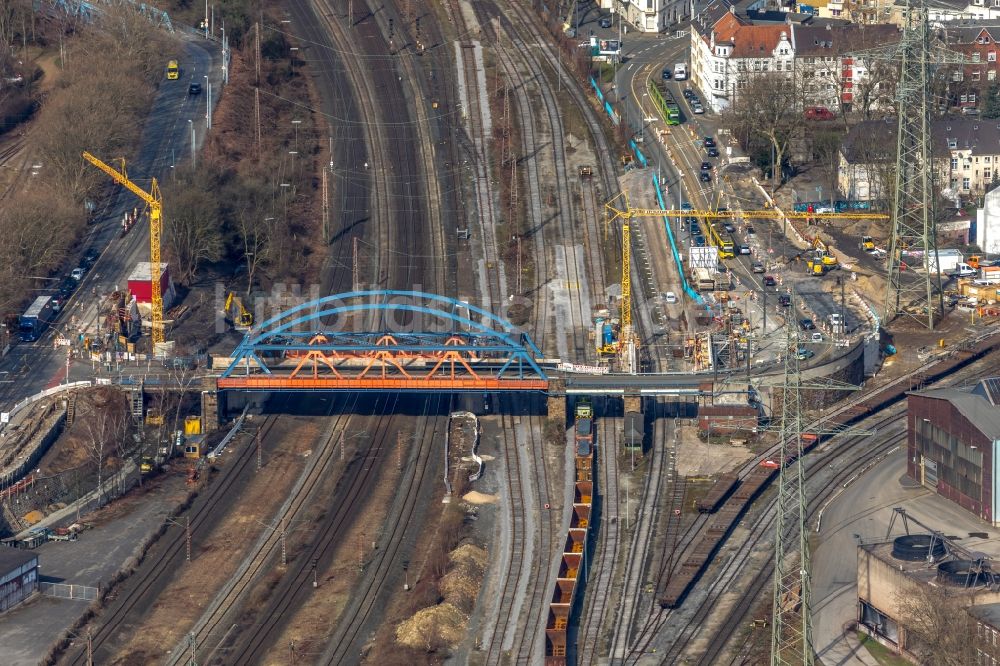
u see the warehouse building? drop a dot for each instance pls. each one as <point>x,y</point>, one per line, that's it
<point>910,585</point>
<point>953,436</point>
<point>18,576</point>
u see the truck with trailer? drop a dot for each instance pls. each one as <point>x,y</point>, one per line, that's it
<point>35,319</point>
<point>947,260</point>
<point>702,278</point>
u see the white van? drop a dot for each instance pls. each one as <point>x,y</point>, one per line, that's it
<point>680,71</point>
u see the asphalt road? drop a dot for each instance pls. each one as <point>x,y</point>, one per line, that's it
<point>166,141</point>
<point>27,632</point>
<point>862,514</point>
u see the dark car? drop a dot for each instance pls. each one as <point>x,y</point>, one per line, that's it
<point>750,230</point>
<point>194,89</point>
<point>699,241</point>
<point>688,93</point>
<point>709,142</point>
<point>666,75</point>
<point>686,206</point>
<point>784,300</point>
<point>705,177</point>
<point>67,288</point>
<point>712,152</point>
<point>89,258</point>
<point>728,226</point>
<point>807,325</point>
<point>605,22</point>
<point>769,281</point>
<point>706,166</point>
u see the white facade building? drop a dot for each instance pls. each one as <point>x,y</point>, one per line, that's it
<point>653,15</point>
<point>987,235</point>
<point>726,46</point>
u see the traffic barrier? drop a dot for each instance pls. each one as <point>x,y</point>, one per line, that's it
<point>673,246</point>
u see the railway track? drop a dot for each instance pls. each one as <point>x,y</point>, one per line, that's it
<point>635,560</point>
<point>600,574</point>
<point>345,647</point>
<point>846,454</point>
<point>520,550</point>
<point>761,532</point>
<point>167,555</point>
<point>211,628</point>
<point>253,637</point>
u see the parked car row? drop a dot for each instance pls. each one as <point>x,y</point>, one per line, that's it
<point>695,101</point>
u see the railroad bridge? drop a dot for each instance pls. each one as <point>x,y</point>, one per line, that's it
<point>385,340</point>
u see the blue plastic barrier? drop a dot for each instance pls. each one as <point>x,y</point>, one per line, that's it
<point>638,153</point>
<point>694,295</point>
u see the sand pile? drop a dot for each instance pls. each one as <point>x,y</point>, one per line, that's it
<point>476,497</point>
<point>432,628</point>
<point>460,586</point>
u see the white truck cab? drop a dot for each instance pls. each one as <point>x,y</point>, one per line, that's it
<point>963,270</point>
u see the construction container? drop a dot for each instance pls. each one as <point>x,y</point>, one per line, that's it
<point>194,447</point>
<point>192,425</point>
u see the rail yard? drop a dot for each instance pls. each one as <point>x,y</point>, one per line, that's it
<point>472,332</point>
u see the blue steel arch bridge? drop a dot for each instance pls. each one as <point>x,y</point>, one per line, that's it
<point>386,340</point>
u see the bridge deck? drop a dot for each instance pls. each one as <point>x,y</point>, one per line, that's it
<point>484,384</point>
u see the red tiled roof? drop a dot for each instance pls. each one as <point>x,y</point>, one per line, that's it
<point>750,41</point>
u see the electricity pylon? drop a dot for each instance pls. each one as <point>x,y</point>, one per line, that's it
<point>791,638</point>
<point>791,618</point>
<point>913,206</point>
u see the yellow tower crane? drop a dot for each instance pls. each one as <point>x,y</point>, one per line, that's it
<point>614,210</point>
<point>155,202</point>
<point>626,336</point>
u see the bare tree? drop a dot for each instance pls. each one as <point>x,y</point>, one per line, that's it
<point>768,104</point>
<point>191,226</point>
<point>254,232</point>
<point>103,429</point>
<point>875,93</point>
<point>939,629</point>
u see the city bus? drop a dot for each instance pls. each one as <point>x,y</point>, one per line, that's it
<point>727,250</point>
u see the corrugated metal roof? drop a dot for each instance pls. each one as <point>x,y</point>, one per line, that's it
<point>973,404</point>
<point>989,388</point>
<point>12,558</point>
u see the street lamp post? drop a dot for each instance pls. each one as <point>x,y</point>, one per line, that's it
<point>208,104</point>
<point>193,147</point>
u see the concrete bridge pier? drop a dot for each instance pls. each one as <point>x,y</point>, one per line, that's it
<point>556,401</point>
<point>209,405</point>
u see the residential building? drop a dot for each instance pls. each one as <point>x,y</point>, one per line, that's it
<point>18,576</point>
<point>977,42</point>
<point>966,156</point>
<point>868,161</point>
<point>653,15</point>
<point>953,441</point>
<point>731,42</point>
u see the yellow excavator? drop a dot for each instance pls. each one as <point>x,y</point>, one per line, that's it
<point>867,243</point>
<point>236,312</point>
<point>823,256</point>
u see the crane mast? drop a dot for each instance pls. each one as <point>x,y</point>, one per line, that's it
<point>155,202</point>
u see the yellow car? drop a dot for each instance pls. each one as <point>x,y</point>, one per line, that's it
<point>173,71</point>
